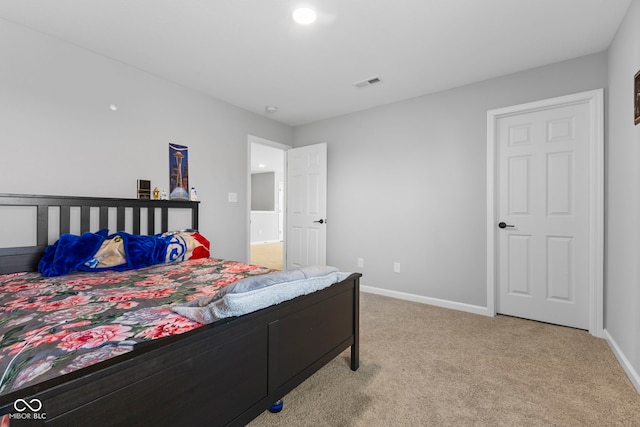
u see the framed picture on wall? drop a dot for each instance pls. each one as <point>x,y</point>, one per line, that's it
<point>636,98</point>
<point>178,172</point>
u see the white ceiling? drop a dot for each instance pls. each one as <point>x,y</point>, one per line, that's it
<point>251,54</point>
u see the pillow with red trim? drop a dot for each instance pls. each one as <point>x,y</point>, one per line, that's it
<point>186,245</point>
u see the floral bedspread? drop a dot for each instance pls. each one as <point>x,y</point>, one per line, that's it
<point>52,326</point>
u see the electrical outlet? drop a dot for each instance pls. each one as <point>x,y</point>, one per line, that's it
<point>233,197</point>
<point>361,262</point>
<point>396,267</point>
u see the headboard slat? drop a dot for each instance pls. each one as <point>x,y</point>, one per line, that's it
<point>120,218</point>
<point>136,220</point>
<point>65,219</point>
<point>104,217</point>
<point>164,218</point>
<point>195,216</point>
<point>42,230</point>
<point>151,221</point>
<point>85,219</point>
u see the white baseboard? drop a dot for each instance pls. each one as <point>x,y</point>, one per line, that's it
<point>469,308</point>
<point>633,375</point>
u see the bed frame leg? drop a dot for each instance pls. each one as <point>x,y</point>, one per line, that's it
<point>355,347</point>
<point>355,357</point>
<point>276,407</point>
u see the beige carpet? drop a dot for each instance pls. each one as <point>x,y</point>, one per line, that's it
<point>428,366</point>
<point>267,255</point>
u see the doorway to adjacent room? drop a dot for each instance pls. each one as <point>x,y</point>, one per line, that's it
<point>267,210</point>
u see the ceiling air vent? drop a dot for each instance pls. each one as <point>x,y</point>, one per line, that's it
<point>368,82</point>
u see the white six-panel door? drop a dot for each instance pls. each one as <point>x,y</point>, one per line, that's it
<point>547,217</point>
<point>306,206</point>
<point>543,200</point>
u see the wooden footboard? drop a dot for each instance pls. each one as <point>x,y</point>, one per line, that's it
<point>225,373</point>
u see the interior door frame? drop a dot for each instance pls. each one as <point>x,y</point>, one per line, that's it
<point>285,149</point>
<point>595,100</point>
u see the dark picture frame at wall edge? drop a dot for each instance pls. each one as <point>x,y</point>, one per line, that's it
<point>144,189</point>
<point>636,98</point>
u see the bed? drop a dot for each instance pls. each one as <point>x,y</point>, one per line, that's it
<point>223,373</point>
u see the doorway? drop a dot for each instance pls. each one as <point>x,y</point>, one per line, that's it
<point>266,202</point>
<point>545,163</point>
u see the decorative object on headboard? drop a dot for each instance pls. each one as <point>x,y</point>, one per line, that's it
<point>144,189</point>
<point>636,98</point>
<point>178,172</point>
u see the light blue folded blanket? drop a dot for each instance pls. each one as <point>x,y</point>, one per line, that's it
<point>257,292</point>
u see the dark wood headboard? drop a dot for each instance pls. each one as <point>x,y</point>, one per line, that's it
<point>26,258</point>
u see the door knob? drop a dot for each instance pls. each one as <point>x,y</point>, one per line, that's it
<point>321,221</point>
<point>505,225</point>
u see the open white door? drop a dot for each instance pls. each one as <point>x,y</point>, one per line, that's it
<point>307,206</point>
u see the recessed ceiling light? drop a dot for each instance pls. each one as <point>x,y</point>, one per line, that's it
<point>270,109</point>
<point>304,16</point>
<point>113,107</point>
<point>261,165</point>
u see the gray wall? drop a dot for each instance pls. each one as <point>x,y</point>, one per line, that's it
<point>407,181</point>
<point>58,135</point>
<point>622,278</point>
<point>263,191</point>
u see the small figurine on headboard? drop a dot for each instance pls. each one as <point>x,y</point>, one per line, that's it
<point>163,196</point>
<point>156,193</point>
<point>193,195</point>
